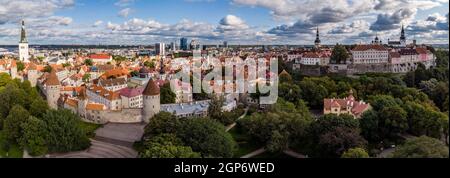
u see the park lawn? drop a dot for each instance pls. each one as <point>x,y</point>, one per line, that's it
<point>89,128</point>
<point>245,144</point>
<point>14,151</point>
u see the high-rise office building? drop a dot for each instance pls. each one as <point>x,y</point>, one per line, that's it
<point>160,49</point>
<point>184,44</point>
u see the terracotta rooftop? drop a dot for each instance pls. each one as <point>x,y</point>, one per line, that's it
<point>104,93</point>
<point>369,47</point>
<point>95,107</point>
<point>100,56</point>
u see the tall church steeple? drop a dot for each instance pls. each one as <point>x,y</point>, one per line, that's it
<point>317,41</point>
<point>23,45</point>
<point>23,34</point>
<point>402,37</point>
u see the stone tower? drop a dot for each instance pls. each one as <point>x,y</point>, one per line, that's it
<point>53,89</point>
<point>23,45</point>
<point>32,74</point>
<point>13,69</point>
<point>82,102</point>
<point>152,101</point>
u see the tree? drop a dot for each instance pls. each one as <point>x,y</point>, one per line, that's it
<point>278,142</point>
<point>86,77</point>
<point>339,55</point>
<point>289,92</point>
<point>167,146</point>
<point>47,69</point>
<point>38,107</point>
<point>422,147</point>
<point>12,125</point>
<point>355,153</point>
<point>333,143</point>
<point>162,122</point>
<point>313,93</point>
<point>393,121</point>
<point>88,62</point>
<point>149,64</point>
<point>331,135</point>
<point>167,95</point>
<point>119,59</point>
<point>369,124</point>
<point>34,137</point>
<point>283,125</point>
<point>207,137</point>
<point>64,132</point>
<point>20,66</point>
<point>215,107</point>
<point>12,95</point>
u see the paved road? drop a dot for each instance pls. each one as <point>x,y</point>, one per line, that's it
<point>255,153</point>
<point>111,141</point>
<point>231,126</point>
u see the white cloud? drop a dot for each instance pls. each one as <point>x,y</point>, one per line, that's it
<point>124,12</point>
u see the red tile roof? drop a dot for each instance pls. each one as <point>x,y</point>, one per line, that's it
<point>368,47</point>
<point>100,56</point>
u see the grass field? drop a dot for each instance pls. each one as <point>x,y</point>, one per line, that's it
<point>13,152</point>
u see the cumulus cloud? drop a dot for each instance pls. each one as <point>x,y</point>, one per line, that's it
<point>392,21</point>
<point>12,11</point>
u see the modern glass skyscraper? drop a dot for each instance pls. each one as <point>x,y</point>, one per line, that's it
<point>184,43</point>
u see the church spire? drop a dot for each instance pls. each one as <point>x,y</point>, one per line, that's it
<point>317,41</point>
<point>402,37</point>
<point>23,35</point>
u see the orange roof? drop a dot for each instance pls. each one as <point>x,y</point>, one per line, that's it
<point>368,47</point>
<point>32,66</point>
<point>13,63</point>
<point>72,102</point>
<point>115,73</point>
<point>100,56</point>
<point>95,107</point>
<point>110,95</point>
<point>52,79</point>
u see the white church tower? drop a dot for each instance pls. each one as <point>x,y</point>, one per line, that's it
<point>23,45</point>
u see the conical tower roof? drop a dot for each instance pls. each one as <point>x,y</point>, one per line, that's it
<point>151,89</point>
<point>52,79</point>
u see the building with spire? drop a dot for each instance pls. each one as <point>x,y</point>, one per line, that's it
<point>23,45</point>
<point>401,42</point>
<point>317,42</point>
<point>377,40</point>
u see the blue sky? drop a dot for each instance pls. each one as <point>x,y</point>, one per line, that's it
<point>214,21</point>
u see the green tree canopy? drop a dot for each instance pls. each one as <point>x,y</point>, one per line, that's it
<point>167,146</point>
<point>422,147</point>
<point>64,132</point>
<point>167,95</point>
<point>355,153</point>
